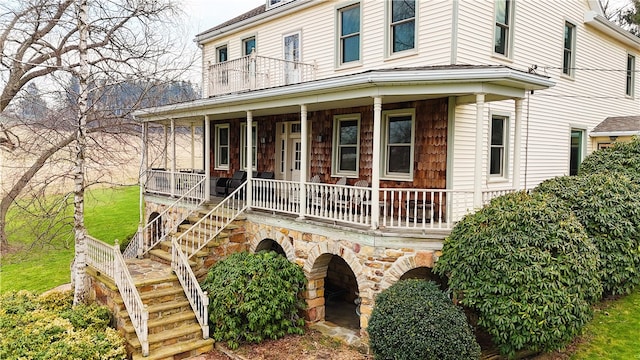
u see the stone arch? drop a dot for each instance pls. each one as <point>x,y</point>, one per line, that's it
<point>405,264</point>
<point>155,231</point>
<point>276,236</point>
<point>316,264</point>
<point>270,245</point>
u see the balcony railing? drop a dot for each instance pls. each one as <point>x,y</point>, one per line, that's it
<point>253,72</point>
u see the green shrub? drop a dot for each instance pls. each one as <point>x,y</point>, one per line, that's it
<point>526,267</point>
<point>253,297</point>
<point>622,157</point>
<point>608,206</point>
<point>415,320</point>
<point>47,327</point>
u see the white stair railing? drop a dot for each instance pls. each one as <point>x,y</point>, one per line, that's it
<point>198,299</point>
<point>155,231</point>
<point>212,224</point>
<point>101,256</point>
<point>133,303</point>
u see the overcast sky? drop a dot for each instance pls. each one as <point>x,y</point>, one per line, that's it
<point>205,14</point>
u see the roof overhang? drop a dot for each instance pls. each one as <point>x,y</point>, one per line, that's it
<point>393,85</point>
<point>599,22</point>
<point>614,133</point>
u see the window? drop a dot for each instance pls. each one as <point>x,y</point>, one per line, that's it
<point>222,73</point>
<point>346,141</point>
<point>243,146</point>
<point>398,144</point>
<point>349,24</point>
<point>403,25</point>
<point>503,29</point>
<point>631,75</point>
<point>568,59</point>
<point>498,146</point>
<point>576,152</point>
<point>221,54</point>
<point>291,49</point>
<point>248,45</point>
<point>275,3</point>
<point>222,146</point>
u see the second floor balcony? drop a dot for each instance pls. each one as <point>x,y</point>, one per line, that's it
<point>253,72</point>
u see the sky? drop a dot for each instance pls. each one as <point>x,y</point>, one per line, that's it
<point>205,14</point>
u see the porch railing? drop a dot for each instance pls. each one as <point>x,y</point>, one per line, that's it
<point>101,256</point>
<point>253,72</point>
<point>157,230</point>
<point>159,182</point>
<point>488,195</point>
<point>276,195</point>
<point>212,224</point>
<point>198,299</point>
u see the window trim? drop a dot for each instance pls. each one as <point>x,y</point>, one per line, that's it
<point>582,146</point>
<point>389,30</point>
<point>218,164</point>
<point>243,146</point>
<point>510,26</point>
<point>506,131</point>
<point>275,3</point>
<point>335,159</point>
<point>218,48</point>
<point>384,155</point>
<point>244,42</point>
<point>339,49</point>
<point>570,73</point>
<point>630,78</point>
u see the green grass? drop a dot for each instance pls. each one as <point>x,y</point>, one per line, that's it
<point>109,214</point>
<point>614,331</point>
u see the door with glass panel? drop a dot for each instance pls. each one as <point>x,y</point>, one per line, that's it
<point>292,58</point>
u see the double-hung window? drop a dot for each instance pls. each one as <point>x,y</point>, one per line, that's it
<point>631,75</point>
<point>221,57</point>
<point>403,25</point>
<point>569,52</point>
<point>349,31</point>
<point>398,144</point>
<point>346,140</point>
<point>243,146</point>
<point>576,152</point>
<point>503,27</point>
<point>222,146</point>
<point>498,146</point>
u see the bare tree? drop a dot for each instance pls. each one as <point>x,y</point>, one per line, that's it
<point>39,41</point>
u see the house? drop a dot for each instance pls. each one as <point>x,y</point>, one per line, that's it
<point>350,136</point>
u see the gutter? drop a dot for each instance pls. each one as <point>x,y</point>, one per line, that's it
<point>601,23</point>
<point>615,133</point>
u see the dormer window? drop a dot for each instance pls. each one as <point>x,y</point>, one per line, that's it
<point>275,3</point>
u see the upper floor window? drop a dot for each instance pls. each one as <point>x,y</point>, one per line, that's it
<point>346,141</point>
<point>221,54</point>
<point>498,147</point>
<point>275,3</point>
<point>243,146</point>
<point>291,51</point>
<point>222,146</point>
<point>568,58</point>
<point>631,75</point>
<point>248,45</point>
<point>398,144</point>
<point>503,27</point>
<point>349,24</point>
<point>403,25</point>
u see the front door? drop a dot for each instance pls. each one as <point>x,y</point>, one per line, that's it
<point>289,151</point>
<point>295,159</point>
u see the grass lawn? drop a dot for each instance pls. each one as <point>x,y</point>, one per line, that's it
<point>109,214</point>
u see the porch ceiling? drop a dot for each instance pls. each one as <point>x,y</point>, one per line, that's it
<point>393,85</point>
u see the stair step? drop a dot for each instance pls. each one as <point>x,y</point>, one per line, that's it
<point>164,294</point>
<point>199,346</point>
<point>167,245</point>
<point>191,238</point>
<point>165,320</point>
<point>222,212</point>
<point>162,254</point>
<point>209,223</point>
<point>158,338</point>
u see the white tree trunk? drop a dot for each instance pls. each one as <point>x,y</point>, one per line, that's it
<point>81,287</point>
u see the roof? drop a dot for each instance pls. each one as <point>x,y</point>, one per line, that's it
<point>618,126</point>
<point>249,14</point>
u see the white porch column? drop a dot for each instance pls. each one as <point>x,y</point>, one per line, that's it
<point>165,152</point>
<point>304,128</point>
<point>207,158</point>
<point>478,179</point>
<point>375,162</point>
<point>173,157</point>
<point>144,162</point>
<point>517,145</point>
<point>193,146</point>
<point>249,152</point>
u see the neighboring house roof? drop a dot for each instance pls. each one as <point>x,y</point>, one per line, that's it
<point>618,126</point>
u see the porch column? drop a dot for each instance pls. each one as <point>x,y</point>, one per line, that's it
<point>304,128</point>
<point>144,162</point>
<point>478,180</point>
<point>173,157</point>
<point>207,158</point>
<point>249,152</point>
<point>517,144</point>
<point>193,146</point>
<point>375,160</point>
<point>165,152</point>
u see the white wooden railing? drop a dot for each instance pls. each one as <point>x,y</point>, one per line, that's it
<point>488,195</point>
<point>276,195</point>
<point>253,72</point>
<point>212,224</point>
<point>101,256</point>
<point>198,299</point>
<point>157,230</point>
<point>160,182</point>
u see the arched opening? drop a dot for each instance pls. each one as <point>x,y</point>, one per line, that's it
<point>341,294</point>
<point>155,230</point>
<point>425,273</point>
<point>270,245</point>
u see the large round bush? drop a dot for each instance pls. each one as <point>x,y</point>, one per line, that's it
<point>253,297</point>
<point>608,206</point>
<point>622,158</point>
<point>415,320</point>
<point>526,267</point>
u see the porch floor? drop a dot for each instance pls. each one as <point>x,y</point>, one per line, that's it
<point>148,271</point>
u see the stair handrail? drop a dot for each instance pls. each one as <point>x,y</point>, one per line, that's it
<point>142,241</point>
<point>218,218</point>
<point>132,302</point>
<point>100,256</point>
<point>198,298</point>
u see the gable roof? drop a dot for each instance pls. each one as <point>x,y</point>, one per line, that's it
<point>249,14</point>
<point>618,126</point>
